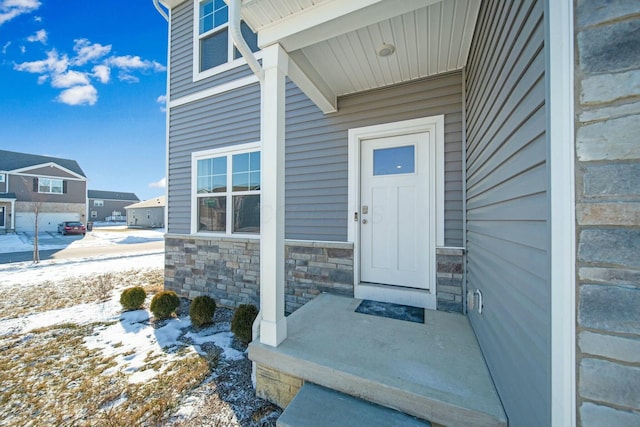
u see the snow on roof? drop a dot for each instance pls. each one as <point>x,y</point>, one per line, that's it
<point>158,202</point>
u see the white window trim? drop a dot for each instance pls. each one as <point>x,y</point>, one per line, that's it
<point>98,203</point>
<point>1,177</point>
<point>229,65</point>
<point>200,155</point>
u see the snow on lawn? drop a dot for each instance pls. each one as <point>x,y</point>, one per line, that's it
<point>101,236</point>
<point>130,336</point>
<point>115,368</point>
<point>27,273</point>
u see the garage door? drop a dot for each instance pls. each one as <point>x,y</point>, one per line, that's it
<point>47,221</point>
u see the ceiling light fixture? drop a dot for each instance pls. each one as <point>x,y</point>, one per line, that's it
<point>386,49</point>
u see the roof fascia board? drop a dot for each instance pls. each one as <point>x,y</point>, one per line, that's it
<point>169,4</point>
<point>112,200</point>
<point>22,171</point>
<point>309,81</point>
<point>329,19</point>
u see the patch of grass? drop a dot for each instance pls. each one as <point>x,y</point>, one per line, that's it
<point>50,377</point>
<point>17,301</point>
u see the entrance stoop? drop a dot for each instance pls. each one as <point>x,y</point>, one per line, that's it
<point>432,371</point>
<point>316,406</point>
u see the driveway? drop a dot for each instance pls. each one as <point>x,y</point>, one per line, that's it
<point>110,242</point>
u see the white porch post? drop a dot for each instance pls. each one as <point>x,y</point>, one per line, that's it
<point>13,213</point>
<point>273,327</point>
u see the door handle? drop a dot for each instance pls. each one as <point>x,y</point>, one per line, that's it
<point>364,221</point>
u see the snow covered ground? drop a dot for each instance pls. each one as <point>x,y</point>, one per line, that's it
<point>101,235</point>
<point>137,347</point>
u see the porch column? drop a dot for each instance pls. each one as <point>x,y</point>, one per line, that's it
<point>13,213</point>
<point>273,327</point>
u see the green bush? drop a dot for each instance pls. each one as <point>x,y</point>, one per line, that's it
<point>164,304</point>
<point>133,298</point>
<point>242,322</point>
<point>202,310</point>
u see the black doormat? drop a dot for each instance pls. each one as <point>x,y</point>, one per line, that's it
<point>391,311</point>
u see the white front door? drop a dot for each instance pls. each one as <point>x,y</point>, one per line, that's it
<point>395,217</point>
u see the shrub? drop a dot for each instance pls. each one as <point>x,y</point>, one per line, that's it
<point>164,304</point>
<point>242,322</point>
<point>202,310</point>
<point>133,298</point>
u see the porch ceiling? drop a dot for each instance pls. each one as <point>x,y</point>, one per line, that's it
<point>335,43</point>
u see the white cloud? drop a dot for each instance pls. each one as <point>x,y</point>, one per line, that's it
<point>69,79</point>
<point>39,36</point>
<point>162,100</point>
<point>127,77</point>
<point>87,52</point>
<point>130,62</point>
<point>91,62</point>
<point>10,9</point>
<point>54,64</point>
<point>102,73</point>
<point>159,184</point>
<point>5,47</point>
<point>79,95</point>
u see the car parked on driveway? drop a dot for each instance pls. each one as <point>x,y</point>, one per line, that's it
<point>71,227</point>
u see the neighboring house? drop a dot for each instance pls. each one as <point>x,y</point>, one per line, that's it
<point>148,213</point>
<point>109,205</point>
<point>429,153</point>
<point>56,187</point>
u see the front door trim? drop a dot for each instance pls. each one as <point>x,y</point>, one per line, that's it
<point>434,125</point>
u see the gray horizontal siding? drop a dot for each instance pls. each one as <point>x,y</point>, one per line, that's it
<point>227,119</point>
<point>181,69</point>
<point>507,204</point>
<point>316,181</point>
<point>317,157</point>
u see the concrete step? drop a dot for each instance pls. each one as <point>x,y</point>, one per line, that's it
<point>433,371</point>
<point>316,406</point>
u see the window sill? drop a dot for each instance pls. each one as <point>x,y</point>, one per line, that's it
<point>201,75</point>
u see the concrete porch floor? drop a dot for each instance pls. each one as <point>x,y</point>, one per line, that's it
<point>434,371</point>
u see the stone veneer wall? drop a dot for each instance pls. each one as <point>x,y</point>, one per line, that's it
<point>315,267</point>
<point>229,271</point>
<point>607,78</point>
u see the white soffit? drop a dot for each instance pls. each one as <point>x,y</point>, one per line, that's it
<point>431,39</point>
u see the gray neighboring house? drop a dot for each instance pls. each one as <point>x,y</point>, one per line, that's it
<point>147,214</point>
<point>57,187</point>
<point>109,205</point>
<point>479,157</point>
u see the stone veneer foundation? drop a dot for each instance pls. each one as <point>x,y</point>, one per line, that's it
<point>228,269</point>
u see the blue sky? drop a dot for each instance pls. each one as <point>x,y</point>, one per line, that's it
<point>86,80</point>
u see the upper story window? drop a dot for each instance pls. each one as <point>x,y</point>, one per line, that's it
<point>214,45</point>
<point>227,191</point>
<point>98,203</point>
<point>1,177</point>
<point>50,185</point>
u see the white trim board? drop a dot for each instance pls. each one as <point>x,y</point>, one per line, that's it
<point>559,39</point>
